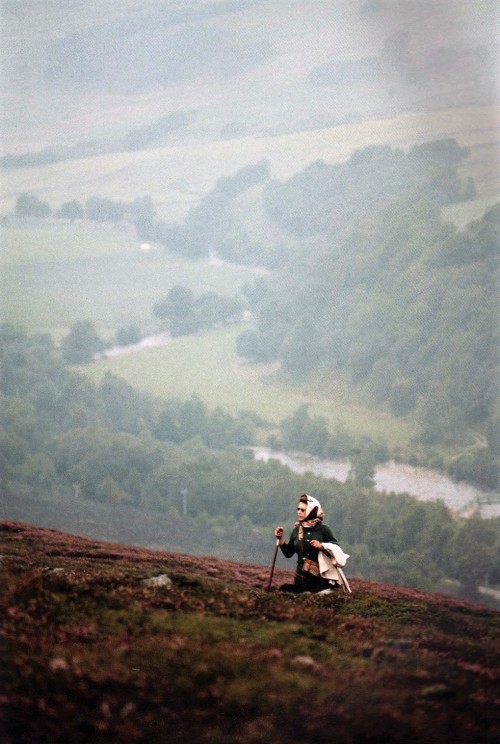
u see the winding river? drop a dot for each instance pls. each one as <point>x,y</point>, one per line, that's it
<point>423,483</point>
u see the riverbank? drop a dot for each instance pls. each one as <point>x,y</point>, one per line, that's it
<point>392,477</point>
<point>423,483</point>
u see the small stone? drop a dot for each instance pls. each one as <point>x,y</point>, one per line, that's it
<point>127,709</point>
<point>58,665</point>
<point>438,690</point>
<point>303,661</point>
<point>158,581</point>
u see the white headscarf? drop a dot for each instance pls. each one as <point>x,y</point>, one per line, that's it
<point>310,503</point>
<point>307,521</point>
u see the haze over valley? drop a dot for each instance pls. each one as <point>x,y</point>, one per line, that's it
<point>302,201</point>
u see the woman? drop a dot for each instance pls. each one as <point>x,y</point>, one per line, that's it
<point>306,540</point>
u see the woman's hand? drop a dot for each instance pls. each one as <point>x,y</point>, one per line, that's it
<point>316,544</point>
<point>278,532</point>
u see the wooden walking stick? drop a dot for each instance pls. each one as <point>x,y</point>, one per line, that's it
<point>268,588</point>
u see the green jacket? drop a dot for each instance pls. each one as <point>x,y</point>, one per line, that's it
<point>320,532</point>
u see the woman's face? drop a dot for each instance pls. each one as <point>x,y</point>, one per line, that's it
<point>301,511</point>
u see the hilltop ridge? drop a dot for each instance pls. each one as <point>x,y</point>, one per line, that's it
<point>93,653</point>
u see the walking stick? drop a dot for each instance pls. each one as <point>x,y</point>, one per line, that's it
<point>268,588</point>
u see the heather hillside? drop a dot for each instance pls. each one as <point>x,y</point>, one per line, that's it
<point>92,651</point>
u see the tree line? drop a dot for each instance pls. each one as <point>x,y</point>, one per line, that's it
<point>418,335</point>
<point>62,437</point>
<point>386,292</point>
<point>179,313</point>
<point>140,212</point>
<point>140,138</point>
<point>368,282</point>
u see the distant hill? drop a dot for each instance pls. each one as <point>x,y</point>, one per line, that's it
<point>147,97</point>
<point>96,70</point>
<point>93,652</point>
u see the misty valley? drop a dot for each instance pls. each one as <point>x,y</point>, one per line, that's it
<point>371,328</point>
<point>249,273</point>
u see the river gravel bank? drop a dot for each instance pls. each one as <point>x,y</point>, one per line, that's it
<point>392,477</point>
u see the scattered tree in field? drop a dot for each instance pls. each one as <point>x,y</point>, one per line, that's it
<point>71,211</point>
<point>29,205</point>
<point>101,209</point>
<point>81,344</point>
<point>177,309</point>
<point>129,335</point>
<point>362,473</point>
<point>183,313</point>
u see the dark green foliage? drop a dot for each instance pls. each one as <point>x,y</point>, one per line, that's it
<point>149,135</point>
<point>81,344</point>
<point>303,433</point>
<point>177,308</point>
<point>154,134</point>
<point>478,466</point>
<point>324,198</point>
<point>178,422</point>
<point>474,554</point>
<point>386,291</point>
<point>208,227</point>
<point>121,408</point>
<point>95,458</point>
<point>142,214</point>
<point>101,209</point>
<point>247,345</point>
<point>110,446</point>
<point>129,335</point>
<point>184,314</point>
<point>362,471</point>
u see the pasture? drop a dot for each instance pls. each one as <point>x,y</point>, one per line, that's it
<point>56,274</point>
<point>208,367</point>
<point>177,176</point>
<point>204,365</point>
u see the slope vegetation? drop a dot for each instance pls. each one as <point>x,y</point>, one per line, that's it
<point>92,653</point>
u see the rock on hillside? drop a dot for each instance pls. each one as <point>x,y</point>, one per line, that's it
<point>92,652</point>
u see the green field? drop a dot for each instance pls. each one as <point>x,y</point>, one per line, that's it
<point>177,176</point>
<point>45,287</point>
<point>56,274</point>
<point>208,367</point>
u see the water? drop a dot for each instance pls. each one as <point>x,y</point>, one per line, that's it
<point>148,342</point>
<point>422,483</point>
